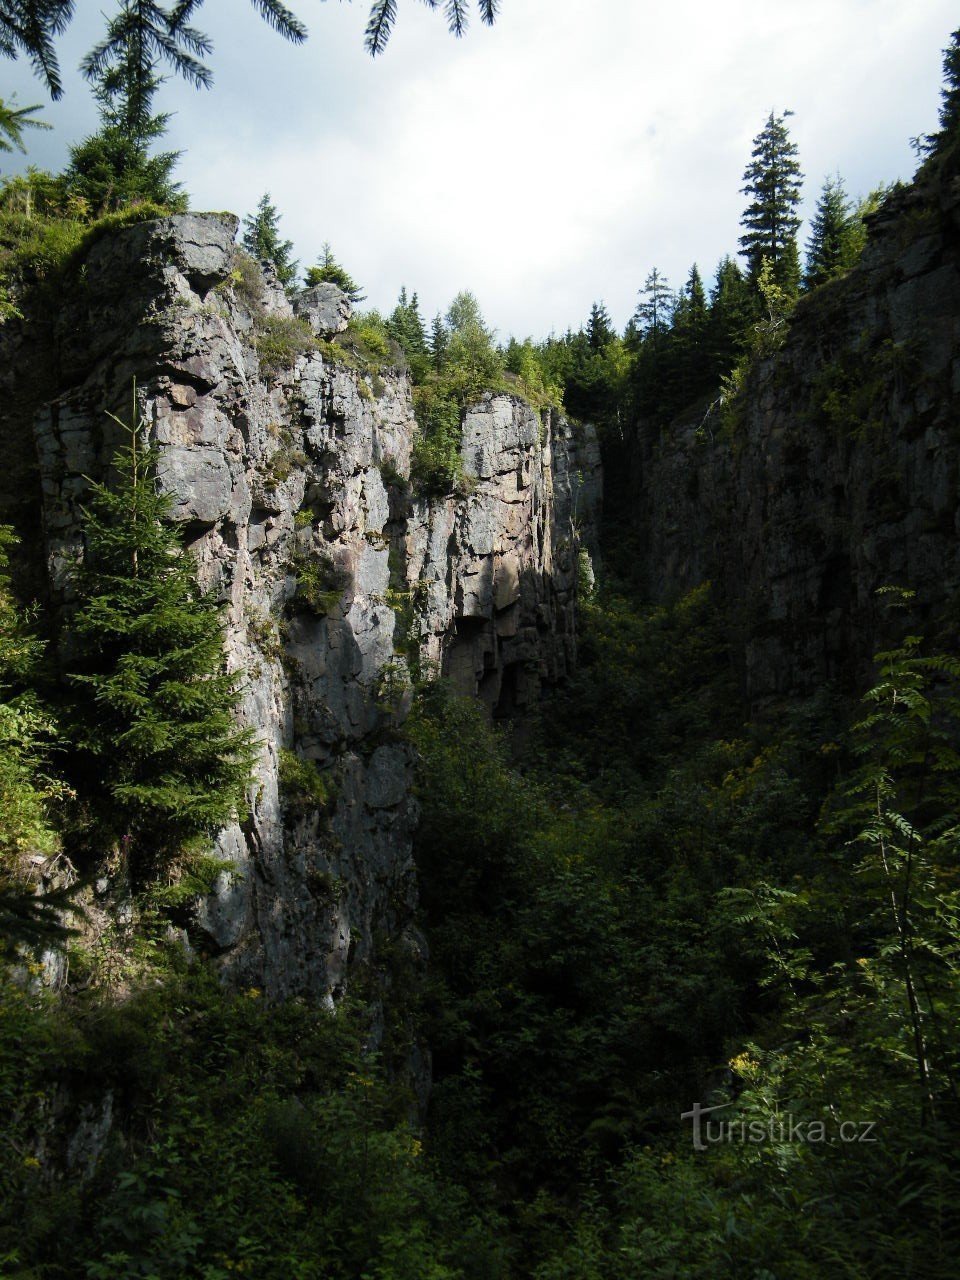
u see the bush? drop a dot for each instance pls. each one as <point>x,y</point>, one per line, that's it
<point>280,341</point>
<point>302,784</point>
<point>435,466</point>
<point>320,582</point>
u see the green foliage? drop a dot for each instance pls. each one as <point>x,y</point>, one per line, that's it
<point>772,180</point>
<point>258,1138</point>
<point>46,230</point>
<point>827,249</point>
<point>111,170</point>
<point>261,239</point>
<point>524,361</point>
<point>436,466</point>
<point>302,784</point>
<point>114,168</point>
<point>28,793</point>
<point>777,304</point>
<point>280,341</point>
<point>13,121</point>
<point>940,148</point>
<point>850,394</point>
<point>31,27</point>
<point>320,581</point>
<point>369,339</point>
<point>329,271</point>
<point>692,870</point>
<point>383,15</point>
<point>159,759</point>
<point>950,93</point>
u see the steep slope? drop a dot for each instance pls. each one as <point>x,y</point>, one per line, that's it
<point>288,461</point>
<point>835,471</point>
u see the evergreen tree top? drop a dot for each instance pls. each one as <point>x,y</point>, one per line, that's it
<point>261,239</point>
<point>950,92</point>
<point>329,271</point>
<point>770,221</point>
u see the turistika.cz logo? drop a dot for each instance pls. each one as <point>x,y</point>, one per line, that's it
<point>780,1129</point>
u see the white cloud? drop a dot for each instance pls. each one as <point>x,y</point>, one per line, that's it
<point>551,160</point>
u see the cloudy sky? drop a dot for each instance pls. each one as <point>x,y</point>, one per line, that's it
<point>544,163</point>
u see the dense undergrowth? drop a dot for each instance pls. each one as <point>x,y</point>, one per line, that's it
<point>674,906</point>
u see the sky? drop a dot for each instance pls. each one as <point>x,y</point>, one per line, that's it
<point>544,163</point>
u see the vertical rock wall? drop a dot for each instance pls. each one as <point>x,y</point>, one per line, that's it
<point>290,477</point>
<point>835,472</point>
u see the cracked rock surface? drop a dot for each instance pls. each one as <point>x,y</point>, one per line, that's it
<point>292,485</point>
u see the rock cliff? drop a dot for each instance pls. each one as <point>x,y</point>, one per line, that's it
<point>288,461</point>
<point>835,472</point>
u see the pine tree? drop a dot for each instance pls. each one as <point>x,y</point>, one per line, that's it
<point>652,315</point>
<point>772,179</point>
<point>950,93</point>
<point>827,248</point>
<point>599,327</point>
<point>733,313</point>
<point>438,343</point>
<point>30,27</point>
<point>159,757</point>
<point>13,121</point>
<point>329,271</point>
<point>114,168</point>
<point>261,239</point>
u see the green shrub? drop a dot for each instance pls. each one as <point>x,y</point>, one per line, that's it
<point>435,466</point>
<point>280,341</point>
<point>320,582</point>
<point>302,785</point>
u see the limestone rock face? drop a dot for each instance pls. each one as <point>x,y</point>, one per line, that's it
<point>835,472</point>
<point>292,485</point>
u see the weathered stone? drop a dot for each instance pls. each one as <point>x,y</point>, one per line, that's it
<point>325,308</point>
<point>265,478</point>
<point>199,482</point>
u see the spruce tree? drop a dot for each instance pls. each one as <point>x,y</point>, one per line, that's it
<point>329,271</point>
<point>733,313</point>
<point>950,93</point>
<point>653,312</point>
<point>114,168</point>
<point>160,760</point>
<point>261,239</point>
<point>690,368</point>
<point>827,248</point>
<point>772,181</point>
<point>30,27</point>
<point>599,327</point>
<point>405,325</point>
<point>13,121</point>
<point>438,343</point>
<point>161,33</point>
<point>650,374</point>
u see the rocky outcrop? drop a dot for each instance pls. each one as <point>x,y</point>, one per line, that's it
<point>495,575</point>
<point>835,472</point>
<point>287,461</point>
